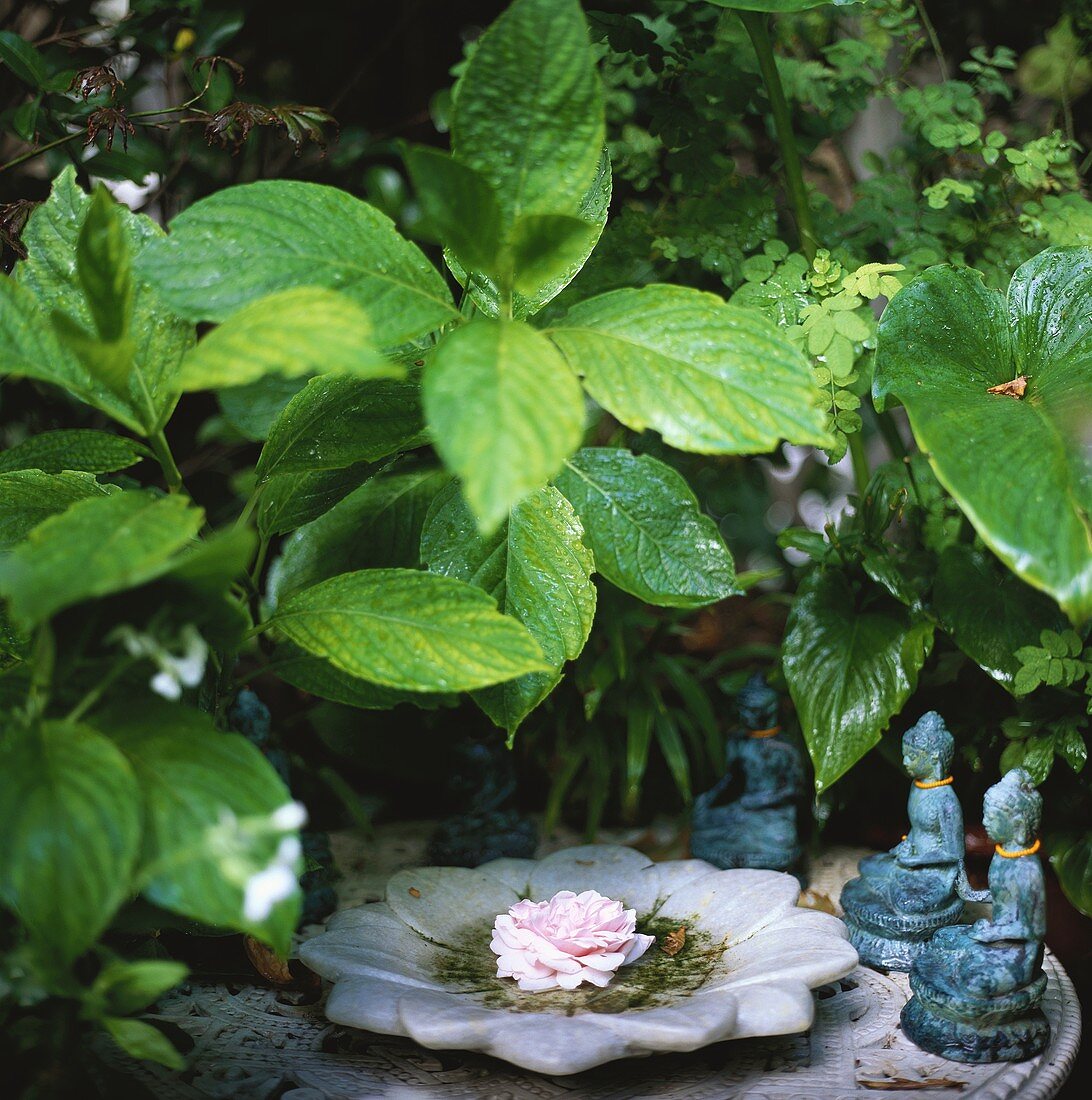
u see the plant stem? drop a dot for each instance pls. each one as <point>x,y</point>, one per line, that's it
<point>97,692</point>
<point>755,22</point>
<point>934,39</point>
<point>41,671</point>
<point>162,451</point>
<point>861,473</point>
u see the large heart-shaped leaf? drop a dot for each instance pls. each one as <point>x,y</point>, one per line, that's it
<point>402,628</point>
<point>988,612</point>
<point>537,569</point>
<point>504,411</point>
<point>644,525</point>
<point>199,786</point>
<point>708,376</point>
<point>245,242</point>
<point>851,661</point>
<point>71,813</point>
<point>1020,467</point>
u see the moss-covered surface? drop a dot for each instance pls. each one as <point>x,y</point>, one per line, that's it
<point>655,979</point>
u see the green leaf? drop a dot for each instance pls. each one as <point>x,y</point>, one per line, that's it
<point>81,449</point>
<point>23,59</point>
<point>31,347</point>
<point>376,526</point>
<point>460,205</point>
<point>207,799</point>
<point>290,333</point>
<point>1071,858</point>
<point>528,110</point>
<point>646,529</point>
<point>778,5</point>
<point>124,540</point>
<point>504,412</point>
<point>404,629</point>
<point>543,246</point>
<point>243,243</point>
<point>140,388</point>
<point>318,677</point>
<point>336,422</point>
<point>538,571</point>
<point>989,612</point>
<point>144,1041</point>
<point>1020,468</point>
<point>710,377</point>
<point>123,987</point>
<point>851,663</point>
<point>104,265</point>
<point>70,807</point>
<point>27,497</point>
<point>252,409</point>
<point>289,501</point>
<point>592,212</point>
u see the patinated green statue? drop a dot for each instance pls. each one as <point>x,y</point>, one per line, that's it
<point>977,988</point>
<point>904,896</point>
<point>749,819</point>
<point>483,783</point>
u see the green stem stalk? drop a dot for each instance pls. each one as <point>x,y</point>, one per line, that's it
<point>162,451</point>
<point>861,473</point>
<point>755,22</point>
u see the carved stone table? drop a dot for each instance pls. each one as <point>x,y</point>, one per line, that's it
<point>253,1043</point>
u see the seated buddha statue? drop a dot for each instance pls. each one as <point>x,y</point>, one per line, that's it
<point>903,896</point>
<point>977,988</point>
<point>749,819</point>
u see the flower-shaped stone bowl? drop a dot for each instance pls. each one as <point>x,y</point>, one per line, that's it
<point>419,964</point>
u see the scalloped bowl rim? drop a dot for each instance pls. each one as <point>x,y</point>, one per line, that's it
<point>387,959</point>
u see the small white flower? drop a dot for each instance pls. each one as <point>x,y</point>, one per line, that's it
<point>292,815</point>
<point>128,193</point>
<point>265,888</point>
<point>176,670</point>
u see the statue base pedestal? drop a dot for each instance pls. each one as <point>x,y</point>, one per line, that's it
<point>885,939</point>
<point>1012,1040</point>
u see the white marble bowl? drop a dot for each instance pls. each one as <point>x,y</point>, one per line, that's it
<point>419,963</point>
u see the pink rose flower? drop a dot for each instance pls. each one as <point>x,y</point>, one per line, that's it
<point>571,938</point>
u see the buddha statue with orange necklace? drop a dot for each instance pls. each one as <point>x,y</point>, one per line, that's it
<point>978,987</point>
<point>749,819</point>
<point>904,896</point>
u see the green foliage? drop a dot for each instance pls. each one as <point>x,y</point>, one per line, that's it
<point>72,806</point>
<point>90,326</point>
<point>404,629</point>
<point>851,661</point>
<point>127,540</point>
<point>247,242</point>
<point>484,390</point>
<point>644,526</point>
<point>537,569</point>
<point>290,333</point>
<point>709,377</point>
<point>440,476</point>
<point>944,343</point>
<point>208,804</point>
